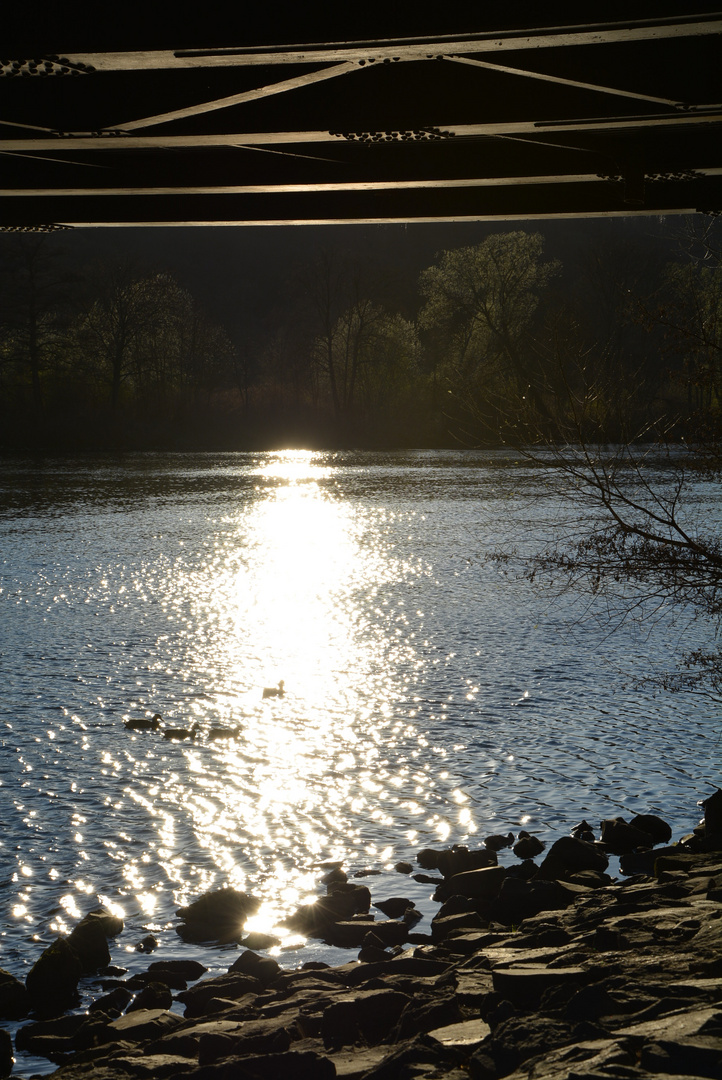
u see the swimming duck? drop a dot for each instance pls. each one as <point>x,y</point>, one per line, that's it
<point>181,733</point>
<point>141,723</point>
<point>274,691</point>
<point>224,733</point>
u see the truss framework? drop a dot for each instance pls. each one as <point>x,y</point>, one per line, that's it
<point>553,121</point>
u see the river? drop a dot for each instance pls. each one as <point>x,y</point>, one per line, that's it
<point>429,698</point>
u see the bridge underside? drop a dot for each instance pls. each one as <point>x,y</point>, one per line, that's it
<point>497,121</point>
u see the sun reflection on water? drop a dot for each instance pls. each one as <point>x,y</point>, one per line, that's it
<point>296,785</point>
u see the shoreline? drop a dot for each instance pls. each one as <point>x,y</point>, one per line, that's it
<point>547,968</point>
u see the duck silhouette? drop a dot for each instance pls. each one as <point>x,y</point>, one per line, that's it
<point>217,733</point>
<point>274,691</point>
<point>142,723</point>
<point>181,733</point>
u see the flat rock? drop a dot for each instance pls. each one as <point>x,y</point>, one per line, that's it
<point>467,1035</point>
<point>524,984</point>
<point>144,1024</point>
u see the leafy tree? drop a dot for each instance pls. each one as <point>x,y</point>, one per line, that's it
<point>35,289</point>
<point>478,311</point>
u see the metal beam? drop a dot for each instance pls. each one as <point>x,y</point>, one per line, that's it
<point>280,138</point>
<point>406,49</point>
<point>559,80</point>
<point>359,185</point>
<point>238,99</point>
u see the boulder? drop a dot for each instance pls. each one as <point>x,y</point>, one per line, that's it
<point>53,979</point>
<point>395,907</point>
<point>528,846</point>
<point>218,915</point>
<point>620,837</point>
<point>456,860</point>
<point>143,1024</point>
<point>481,884</point>
<point>111,924</point>
<point>713,815</point>
<point>263,968</point>
<point>583,831</point>
<point>313,919</point>
<point>232,986</point>
<point>6,1053</point>
<point>147,944</point>
<point>524,984</point>
<point>497,841</point>
<point>658,829</point>
<point>519,900</point>
<point>155,995</point>
<point>90,944</point>
<point>568,854</point>
<point>14,998</point>
<point>190,970</point>
<point>112,1004</point>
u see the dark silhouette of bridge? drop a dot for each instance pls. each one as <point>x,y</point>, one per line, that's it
<point>505,119</point>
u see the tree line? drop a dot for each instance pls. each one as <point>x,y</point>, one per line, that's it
<point>493,342</point>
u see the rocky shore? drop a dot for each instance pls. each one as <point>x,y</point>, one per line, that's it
<point>547,968</point>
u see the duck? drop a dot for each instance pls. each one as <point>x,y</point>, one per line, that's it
<point>142,723</point>
<point>216,733</point>
<point>274,691</point>
<point>181,733</point>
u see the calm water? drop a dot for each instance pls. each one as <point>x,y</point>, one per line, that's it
<point>430,700</point>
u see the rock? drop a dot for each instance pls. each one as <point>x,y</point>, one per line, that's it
<point>232,986</point>
<point>263,968</point>
<point>456,860</point>
<point>394,907</point>
<point>6,1053</point>
<point>567,854</point>
<point>583,831</point>
<point>143,1024</point>
<point>90,944</point>
<point>291,1065</point>
<point>497,842</point>
<point>620,838</point>
<point>654,826</point>
<point>442,927</point>
<point>643,862</point>
<point>464,1036</point>
<point>147,944</point>
<point>314,919</point>
<point>335,875</point>
<point>112,1004</point>
<point>256,940</point>
<point>111,924</point>
<point>190,970</point>
<point>519,900</point>
<point>352,934</point>
<point>524,984</point>
<point>62,1034</point>
<point>155,995</point>
<point>713,815</point>
<point>218,915</point>
<point>520,1038</point>
<point>528,846</point>
<point>53,979</point>
<point>403,867</point>
<point>14,998</point>
<point>247,1037</point>
<point>483,884</point>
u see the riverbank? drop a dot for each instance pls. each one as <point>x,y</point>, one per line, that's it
<point>546,968</point>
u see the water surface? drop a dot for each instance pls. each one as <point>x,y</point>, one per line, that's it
<point>429,698</point>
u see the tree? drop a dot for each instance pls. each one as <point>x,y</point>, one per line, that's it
<point>479,306</point>
<point>35,289</point>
